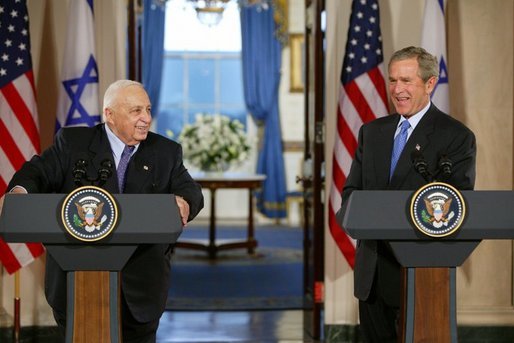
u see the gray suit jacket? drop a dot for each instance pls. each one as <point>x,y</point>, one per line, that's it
<point>156,167</point>
<point>436,134</point>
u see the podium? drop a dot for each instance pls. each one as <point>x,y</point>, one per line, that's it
<point>428,304</point>
<point>93,280</point>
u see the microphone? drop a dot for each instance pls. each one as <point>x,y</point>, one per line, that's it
<point>445,166</point>
<point>79,171</point>
<point>421,165</point>
<point>104,172</point>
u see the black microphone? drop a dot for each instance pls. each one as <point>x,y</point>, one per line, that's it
<point>445,166</point>
<point>104,172</point>
<point>421,165</point>
<point>79,171</point>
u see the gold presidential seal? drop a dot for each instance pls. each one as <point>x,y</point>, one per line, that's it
<point>437,209</point>
<point>89,213</point>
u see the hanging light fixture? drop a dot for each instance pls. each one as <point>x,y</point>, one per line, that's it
<point>210,12</point>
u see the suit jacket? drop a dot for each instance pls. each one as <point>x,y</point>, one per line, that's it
<point>436,134</point>
<point>156,167</point>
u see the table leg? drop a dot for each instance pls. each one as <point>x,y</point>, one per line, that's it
<point>212,226</point>
<point>251,249</point>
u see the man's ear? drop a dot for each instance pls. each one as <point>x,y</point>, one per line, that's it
<point>107,114</point>
<point>430,84</point>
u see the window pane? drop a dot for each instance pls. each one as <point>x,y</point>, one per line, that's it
<point>172,92</point>
<point>170,122</point>
<point>231,82</point>
<point>201,81</point>
<point>235,114</point>
<point>194,110</point>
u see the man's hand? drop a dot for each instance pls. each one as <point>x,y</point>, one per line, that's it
<point>15,190</point>
<point>183,208</point>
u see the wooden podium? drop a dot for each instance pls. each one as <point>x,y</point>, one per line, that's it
<point>93,287</point>
<point>428,309</point>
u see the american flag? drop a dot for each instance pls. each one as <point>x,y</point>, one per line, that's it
<point>362,98</point>
<point>19,130</point>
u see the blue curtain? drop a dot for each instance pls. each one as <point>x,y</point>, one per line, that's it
<point>153,50</point>
<point>261,52</point>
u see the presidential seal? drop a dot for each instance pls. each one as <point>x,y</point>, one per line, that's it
<point>437,209</point>
<point>89,213</point>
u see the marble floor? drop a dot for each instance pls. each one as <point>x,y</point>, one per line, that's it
<point>228,326</point>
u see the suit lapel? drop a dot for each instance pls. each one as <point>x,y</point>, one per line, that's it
<point>420,137</point>
<point>384,146</point>
<point>140,169</point>
<point>101,150</point>
<point>140,166</point>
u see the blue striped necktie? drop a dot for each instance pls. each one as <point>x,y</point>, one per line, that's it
<point>122,166</point>
<point>399,144</point>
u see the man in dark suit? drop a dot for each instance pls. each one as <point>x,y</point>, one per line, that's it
<point>430,133</point>
<point>155,166</point>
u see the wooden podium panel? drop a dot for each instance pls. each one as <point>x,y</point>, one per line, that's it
<point>92,319</point>
<point>93,280</point>
<point>428,303</point>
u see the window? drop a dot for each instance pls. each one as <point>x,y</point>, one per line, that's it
<point>202,70</point>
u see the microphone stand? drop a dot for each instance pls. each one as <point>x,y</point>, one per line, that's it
<point>103,174</point>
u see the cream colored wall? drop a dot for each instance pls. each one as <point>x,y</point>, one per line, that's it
<point>48,22</point>
<point>480,41</point>
<point>480,58</point>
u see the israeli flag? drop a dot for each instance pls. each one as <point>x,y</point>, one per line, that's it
<point>78,93</point>
<point>433,39</point>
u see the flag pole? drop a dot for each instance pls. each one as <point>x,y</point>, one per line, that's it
<point>17,306</point>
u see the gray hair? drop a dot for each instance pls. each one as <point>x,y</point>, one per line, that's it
<point>112,91</point>
<point>428,65</point>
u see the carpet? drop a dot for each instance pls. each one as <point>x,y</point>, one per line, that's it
<point>272,278</point>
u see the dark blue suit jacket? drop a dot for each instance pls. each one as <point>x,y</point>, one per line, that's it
<point>436,134</point>
<point>156,167</point>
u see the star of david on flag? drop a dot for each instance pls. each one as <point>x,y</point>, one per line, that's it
<point>433,39</point>
<point>78,103</point>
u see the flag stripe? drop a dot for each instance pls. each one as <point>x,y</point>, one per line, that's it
<point>22,113</point>
<point>8,258</point>
<point>3,186</point>
<point>346,135</point>
<point>378,80</point>
<point>16,130</point>
<point>35,249</point>
<point>362,98</point>
<point>13,153</point>
<point>359,101</point>
<point>6,170</point>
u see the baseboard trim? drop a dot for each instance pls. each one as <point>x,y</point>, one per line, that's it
<point>40,334</point>
<point>466,334</point>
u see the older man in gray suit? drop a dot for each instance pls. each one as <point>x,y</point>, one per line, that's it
<point>153,165</point>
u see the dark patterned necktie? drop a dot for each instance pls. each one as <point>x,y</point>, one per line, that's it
<point>399,144</point>
<point>122,166</point>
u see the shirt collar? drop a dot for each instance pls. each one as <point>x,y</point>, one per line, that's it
<point>415,119</point>
<point>117,145</point>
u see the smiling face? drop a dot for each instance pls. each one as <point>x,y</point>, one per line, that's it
<point>409,93</point>
<point>129,117</point>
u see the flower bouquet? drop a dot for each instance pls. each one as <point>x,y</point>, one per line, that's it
<point>214,142</point>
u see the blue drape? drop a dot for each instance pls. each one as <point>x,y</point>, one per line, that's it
<point>261,52</point>
<point>153,50</point>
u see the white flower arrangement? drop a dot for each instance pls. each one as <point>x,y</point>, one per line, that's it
<point>214,142</point>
